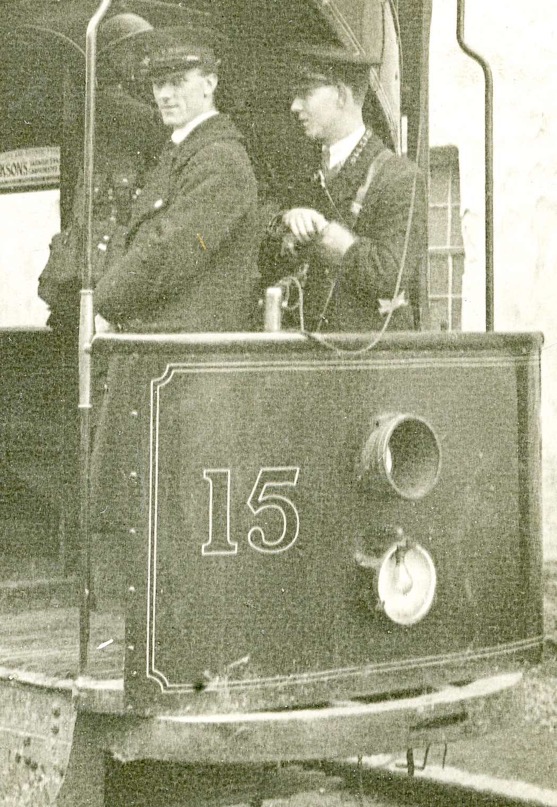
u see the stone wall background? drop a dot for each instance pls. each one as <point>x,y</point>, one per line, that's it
<point>517,40</point>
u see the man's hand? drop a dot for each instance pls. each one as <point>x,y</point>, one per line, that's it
<point>304,223</point>
<point>335,241</point>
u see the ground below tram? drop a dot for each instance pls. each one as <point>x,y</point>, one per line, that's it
<point>158,785</point>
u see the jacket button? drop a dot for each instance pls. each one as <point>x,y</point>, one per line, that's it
<point>158,204</point>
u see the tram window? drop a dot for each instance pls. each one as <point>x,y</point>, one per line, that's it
<point>28,220</point>
<point>446,250</point>
<point>29,182</point>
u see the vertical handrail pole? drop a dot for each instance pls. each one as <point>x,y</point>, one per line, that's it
<point>273,309</point>
<point>86,326</point>
<point>488,144</point>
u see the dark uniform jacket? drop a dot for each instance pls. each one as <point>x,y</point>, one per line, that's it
<point>394,205</point>
<point>189,264</point>
<point>190,258</point>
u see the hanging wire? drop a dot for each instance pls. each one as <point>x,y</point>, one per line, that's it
<point>42,29</point>
<point>286,284</point>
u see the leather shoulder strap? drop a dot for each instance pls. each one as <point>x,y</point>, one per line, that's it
<point>376,165</point>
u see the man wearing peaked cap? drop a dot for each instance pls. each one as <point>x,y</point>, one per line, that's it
<point>189,261</point>
<point>190,256</point>
<point>171,49</point>
<point>354,232</point>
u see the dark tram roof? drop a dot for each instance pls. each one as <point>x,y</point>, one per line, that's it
<point>342,22</point>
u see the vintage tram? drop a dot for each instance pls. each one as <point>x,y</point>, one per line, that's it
<point>333,546</point>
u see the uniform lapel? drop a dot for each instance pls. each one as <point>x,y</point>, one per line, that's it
<point>158,190</point>
<point>344,186</point>
<point>155,194</point>
<point>204,133</point>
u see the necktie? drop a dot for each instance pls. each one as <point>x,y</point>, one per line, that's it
<point>328,172</point>
<point>325,159</point>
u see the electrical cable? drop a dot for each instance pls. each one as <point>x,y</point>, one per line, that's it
<point>43,30</point>
<point>318,338</point>
<point>286,284</point>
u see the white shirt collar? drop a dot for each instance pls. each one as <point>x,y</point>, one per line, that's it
<point>342,149</point>
<point>179,135</point>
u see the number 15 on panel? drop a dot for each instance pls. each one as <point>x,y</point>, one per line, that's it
<point>268,493</point>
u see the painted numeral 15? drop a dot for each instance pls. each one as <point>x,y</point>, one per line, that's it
<point>267,493</point>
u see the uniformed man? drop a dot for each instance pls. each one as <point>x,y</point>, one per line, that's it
<point>354,235</point>
<point>189,262</point>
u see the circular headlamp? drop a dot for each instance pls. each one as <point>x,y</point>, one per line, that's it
<point>406,582</point>
<point>402,454</point>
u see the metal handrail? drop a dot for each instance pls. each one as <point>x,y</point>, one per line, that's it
<point>86,324</point>
<point>488,79</point>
